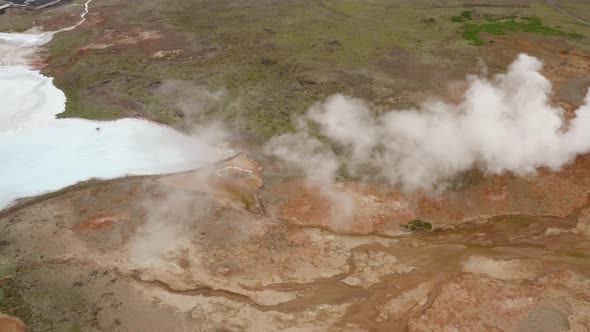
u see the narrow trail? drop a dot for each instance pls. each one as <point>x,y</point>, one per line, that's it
<point>554,5</point>
<point>38,39</point>
<point>82,19</point>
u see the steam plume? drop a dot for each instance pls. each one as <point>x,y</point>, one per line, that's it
<point>504,124</point>
<point>172,213</point>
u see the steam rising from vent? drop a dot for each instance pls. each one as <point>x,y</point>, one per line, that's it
<point>504,124</point>
<point>169,218</point>
<point>320,165</point>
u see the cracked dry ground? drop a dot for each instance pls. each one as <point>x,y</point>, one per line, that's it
<point>84,260</point>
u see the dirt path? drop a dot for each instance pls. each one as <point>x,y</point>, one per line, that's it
<point>554,5</point>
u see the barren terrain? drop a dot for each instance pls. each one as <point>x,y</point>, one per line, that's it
<point>235,267</point>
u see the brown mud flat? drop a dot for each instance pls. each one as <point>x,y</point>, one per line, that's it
<point>238,268</point>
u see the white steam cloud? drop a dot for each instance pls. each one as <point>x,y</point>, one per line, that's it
<point>505,123</point>
<point>320,165</point>
<point>171,213</point>
<point>169,218</point>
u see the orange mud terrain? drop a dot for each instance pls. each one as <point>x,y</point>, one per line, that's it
<point>257,252</point>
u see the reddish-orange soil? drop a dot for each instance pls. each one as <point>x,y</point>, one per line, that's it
<point>478,197</point>
<point>99,221</point>
<point>373,210</point>
<point>567,66</point>
<point>10,324</point>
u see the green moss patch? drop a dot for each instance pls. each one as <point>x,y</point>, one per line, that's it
<point>465,16</point>
<point>87,110</point>
<point>7,269</point>
<point>500,25</point>
<point>12,302</point>
<point>417,225</point>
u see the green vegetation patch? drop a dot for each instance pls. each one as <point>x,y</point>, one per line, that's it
<point>12,302</point>
<point>274,62</point>
<point>417,225</point>
<point>499,25</point>
<point>7,269</point>
<point>86,110</point>
<point>465,16</point>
